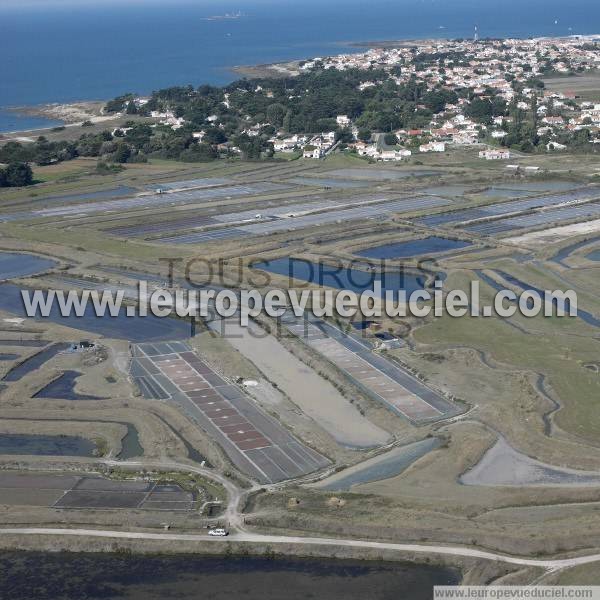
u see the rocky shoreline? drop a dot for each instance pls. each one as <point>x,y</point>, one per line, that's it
<point>69,113</point>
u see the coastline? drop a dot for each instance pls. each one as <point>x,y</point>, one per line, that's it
<point>67,116</point>
<point>71,114</point>
<point>68,112</point>
<point>75,113</point>
<point>277,69</point>
<point>291,68</point>
<point>405,43</point>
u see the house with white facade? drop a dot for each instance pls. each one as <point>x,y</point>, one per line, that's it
<point>495,154</point>
<point>393,155</point>
<point>433,147</point>
<point>311,151</point>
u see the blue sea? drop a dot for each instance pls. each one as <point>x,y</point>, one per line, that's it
<point>68,50</point>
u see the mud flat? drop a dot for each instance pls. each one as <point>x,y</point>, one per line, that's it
<point>555,234</point>
<point>380,467</point>
<point>502,465</point>
<point>316,397</point>
<point>285,69</point>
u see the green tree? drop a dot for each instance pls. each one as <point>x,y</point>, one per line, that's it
<point>199,153</point>
<point>390,139</point>
<point>18,175</point>
<point>480,110</point>
<point>118,104</point>
<point>214,135</point>
<point>276,113</point>
<point>132,108</point>
<point>344,136</point>
<point>122,153</point>
<point>364,135</point>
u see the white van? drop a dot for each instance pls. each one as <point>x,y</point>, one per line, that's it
<point>218,531</point>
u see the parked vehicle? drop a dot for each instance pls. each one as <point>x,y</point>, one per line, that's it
<point>218,531</point>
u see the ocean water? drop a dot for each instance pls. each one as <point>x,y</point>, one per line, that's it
<point>68,50</point>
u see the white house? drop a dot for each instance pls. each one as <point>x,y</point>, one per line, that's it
<point>465,139</point>
<point>287,145</point>
<point>387,155</point>
<point>174,122</point>
<point>433,147</point>
<point>157,114</point>
<point>364,149</point>
<point>343,120</point>
<point>121,130</point>
<point>495,154</point>
<point>312,152</point>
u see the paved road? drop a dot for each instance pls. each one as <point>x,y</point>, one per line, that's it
<point>236,524</point>
<point>464,552</point>
<point>239,534</point>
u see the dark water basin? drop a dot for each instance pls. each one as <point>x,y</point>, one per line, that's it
<point>410,248</point>
<point>130,444</point>
<point>344,277</point>
<point>63,388</point>
<point>45,445</point>
<point>396,464</point>
<point>133,329</point>
<point>153,577</point>
<point>35,362</point>
<point>116,192</point>
<point>595,256</point>
<point>14,264</point>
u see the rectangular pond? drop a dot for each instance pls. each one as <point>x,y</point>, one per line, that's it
<point>495,192</point>
<point>541,186</point>
<point>133,329</point>
<point>45,445</point>
<point>18,264</point>
<point>116,192</point>
<point>380,174</point>
<point>411,248</point>
<point>325,182</point>
<point>344,277</point>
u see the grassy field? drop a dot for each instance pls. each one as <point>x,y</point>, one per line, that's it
<point>586,86</point>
